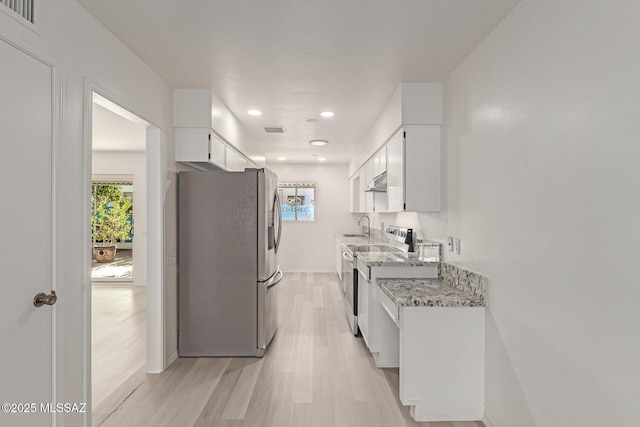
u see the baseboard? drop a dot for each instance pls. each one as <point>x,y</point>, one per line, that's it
<point>293,270</point>
<point>171,359</point>
<point>488,422</point>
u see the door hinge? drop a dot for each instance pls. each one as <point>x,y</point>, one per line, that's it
<point>404,206</point>
<point>404,134</point>
<point>209,156</point>
<point>209,137</point>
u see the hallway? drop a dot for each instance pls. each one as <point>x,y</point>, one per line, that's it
<point>316,373</point>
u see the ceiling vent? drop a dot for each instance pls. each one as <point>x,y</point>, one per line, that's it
<point>274,129</point>
<point>24,8</point>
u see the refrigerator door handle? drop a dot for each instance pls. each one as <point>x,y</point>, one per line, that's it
<point>275,279</point>
<point>279,206</point>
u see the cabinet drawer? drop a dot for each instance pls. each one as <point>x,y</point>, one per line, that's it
<point>389,306</point>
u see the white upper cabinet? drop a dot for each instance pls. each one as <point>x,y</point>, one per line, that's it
<point>404,141</point>
<point>368,196</point>
<point>218,150</point>
<point>354,193</point>
<point>380,161</point>
<point>197,145</point>
<point>395,172</point>
<point>200,148</point>
<point>232,159</point>
<point>413,170</point>
<point>243,163</point>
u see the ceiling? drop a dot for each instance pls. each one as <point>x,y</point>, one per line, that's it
<point>112,132</point>
<point>293,59</point>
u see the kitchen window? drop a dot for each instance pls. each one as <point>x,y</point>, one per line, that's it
<point>297,200</point>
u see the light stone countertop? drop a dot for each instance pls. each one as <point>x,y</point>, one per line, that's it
<point>385,259</point>
<point>392,259</point>
<point>428,293</point>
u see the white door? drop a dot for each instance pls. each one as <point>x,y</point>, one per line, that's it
<point>26,266</point>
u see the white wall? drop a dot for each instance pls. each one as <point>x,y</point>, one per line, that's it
<point>310,246</point>
<point>130,163</point>
<point>87,52</point>
<point>541,182</point>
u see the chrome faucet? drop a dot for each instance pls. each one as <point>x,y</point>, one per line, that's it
<point>368,224</point>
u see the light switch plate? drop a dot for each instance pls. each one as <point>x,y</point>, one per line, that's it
<point>456,246</point>
<point>450,244</point>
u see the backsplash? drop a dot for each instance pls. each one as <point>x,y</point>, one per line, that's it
<point>464,280</point>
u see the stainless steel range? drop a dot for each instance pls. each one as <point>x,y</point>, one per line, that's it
<point>350,277</point>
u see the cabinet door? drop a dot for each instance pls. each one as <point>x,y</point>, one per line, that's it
<point>395,173</point>
<point>361,193</point>
<point>217,151</point>
<point>354,193</point>
<point>422,169</point>
<point>192,145</point>
<point>242,163</point>
<point>376,164</point>
<point>382,160</point>
<point>232,159</point>
<point>368,196</point>
<point>363,306</point>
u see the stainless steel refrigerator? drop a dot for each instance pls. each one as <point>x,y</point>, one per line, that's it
<point>229,228</point>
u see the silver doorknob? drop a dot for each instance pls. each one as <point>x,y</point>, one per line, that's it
<point>43,299</point>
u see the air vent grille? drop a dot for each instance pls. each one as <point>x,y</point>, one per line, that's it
<point>24,8</point>
<point>274,129</point>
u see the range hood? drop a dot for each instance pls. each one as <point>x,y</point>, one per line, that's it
<point>378,184</point>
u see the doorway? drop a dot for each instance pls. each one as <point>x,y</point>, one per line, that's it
<point>119,286</point>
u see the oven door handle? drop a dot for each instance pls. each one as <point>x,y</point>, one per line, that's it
<point>347,256</point>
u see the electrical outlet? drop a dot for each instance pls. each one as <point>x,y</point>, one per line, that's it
<point>456,246</point>
<point>450,244</point>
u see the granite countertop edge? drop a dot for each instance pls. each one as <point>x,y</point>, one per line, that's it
<point>427,293</point>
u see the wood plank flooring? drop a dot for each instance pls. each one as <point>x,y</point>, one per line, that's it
<point>316,373</point>
<point>118,343</point>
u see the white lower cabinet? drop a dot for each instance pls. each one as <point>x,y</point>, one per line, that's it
<point>441,360</point>
<point>379,331</point>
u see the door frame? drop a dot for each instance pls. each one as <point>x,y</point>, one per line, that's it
<point>57,202</point>
<point>156,171</point>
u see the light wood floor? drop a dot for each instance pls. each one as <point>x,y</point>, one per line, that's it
<point>316,373</point>
<point>118,340</point>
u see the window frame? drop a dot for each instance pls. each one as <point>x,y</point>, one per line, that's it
<point>296,186</point>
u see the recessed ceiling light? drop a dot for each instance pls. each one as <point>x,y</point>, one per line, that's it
<point>321,159</point>
<point>318,142</point>
<point>254,112</point>
<point>312,120</point>
<point>327,114</point>
<point>281,158</point>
